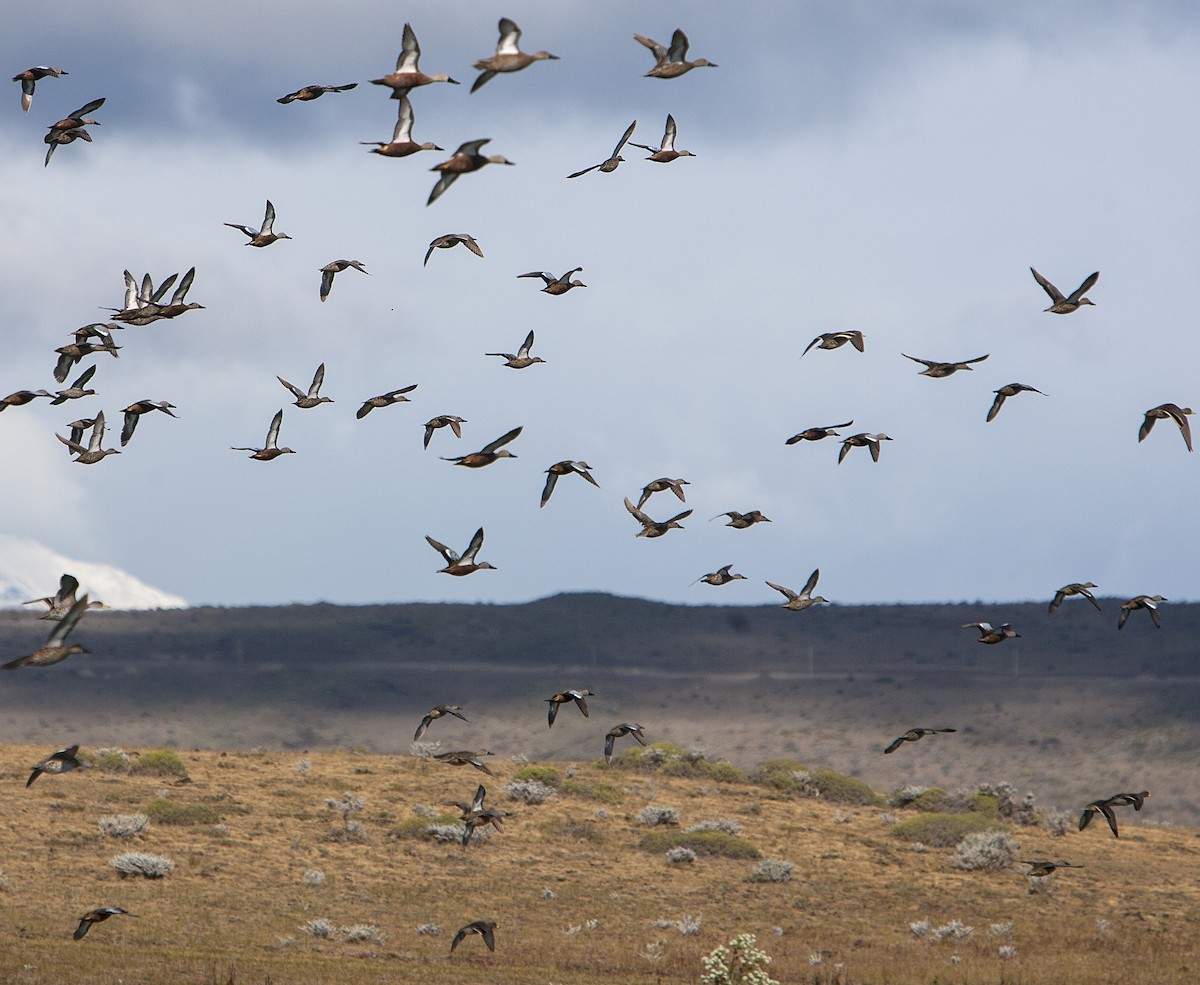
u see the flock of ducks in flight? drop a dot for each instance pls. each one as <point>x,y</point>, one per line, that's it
<point>144,304</point>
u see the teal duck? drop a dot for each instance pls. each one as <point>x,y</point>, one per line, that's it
<point>1075,588</point>
<point>443,421</point>
<point>489,453</point>
<point>938,371</point>
<point>614,733</point>
<point>1134,800</point>
<point>336,267</point>
<point>1066,305</point>
<point>441,711</point>
<point>265,235</point>
<point>1011,390</point>
<point>805,599</point>
<point>665,153</point>
<point>401,144</point>
<point>1172,412</point>
<point>270,450</point>
<point>1040,868</point>
<point>655,528</point>
<point>464,564</point>
<point>864,440</point>
<point>1103,808</point>
<point>992,636</point>
<point>56,649</point>
<point>465,757</point>
<point>465,160</point>
<point>22,397</point>
<point>76,390</point>
<point>835,340</point>
<point>556,286</point>
<point>29,79</point>
<point>451,240</point>
<point>521,359</point>
<point>740,521</point>
<point>565,467</point>
<point>817,433</point>
<point>508,57</point>
<point>56,138</point>
<point>97,916</point>
<point>670,63</point>
<point>385,400</point>
<point>61,603</point>
<point>93,453</point>
<point>133,413</point>
<point>1147,602</point>
<point>312,398</point>
<point>566,697</point>
<point>71,355</point>
<point>614,160</point>
<point>308,93</point>
<point>62,761</point>
<point>722,576</point>
<point>662,485</point>
<point>484,928</point>
<point>913,735</point>
<point>408,74</point>
<point>77,119</point>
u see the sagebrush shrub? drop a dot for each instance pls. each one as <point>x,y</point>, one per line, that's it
<point>679,854</point>
<point>1058,822</point>
<point>159,762</point>
<point>529,791</point>
<point>322,928</point>
<point>941,830</point>
<point>987,850</point>
<point>109,759</point>
<point>124,825</point>
<point>726,824</point>
<point>655,816</point>
<point>772,870</point>
<point>363,932</point>
<point>739,963</point>
<point>542,774</point>
<point>314,877</point>
<point>137,864</point>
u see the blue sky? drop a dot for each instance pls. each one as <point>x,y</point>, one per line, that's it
<point>892,168</point>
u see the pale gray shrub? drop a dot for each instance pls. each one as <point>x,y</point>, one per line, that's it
<point>1000,929</point>
<point>807,785</point>
<point>1021,810</point>
<point>905,795</point>
<point>920,927</point>
<point>363,932</point>
<point>124,825</point>
<point>549,894</point>
<point>1007,952</point>
<point>687,925</point>
<point>428,929</point>
<point>988,850</point>
<point>955,929</point>
<point>889,819</point>
<point>917,846</point>
<point>679,854</point>
<point>772,870</point>
<point>521,759</point>
<point>655,816</point>
<point>302,767</point>
<point>726,824</point>
<point>1103,927</point>
<point>444,833</point>
<point>425,810</point>
<point>314,877</point>
<point>529,791</point>
<point>424,750</point>
<point>1058,822</point>
<point>137,864</point>
<point>322,928</point>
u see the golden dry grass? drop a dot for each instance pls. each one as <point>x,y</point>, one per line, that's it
<point>236,902</point>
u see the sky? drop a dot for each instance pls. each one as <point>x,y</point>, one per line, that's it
<point>894,168</point>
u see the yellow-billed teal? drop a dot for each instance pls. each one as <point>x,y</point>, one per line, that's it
<point>465,757</point>
<point>270,450</point>
<point>62,761</point>
<point>990,635</point>
<point>670,63</point>
<point>55,138</point>
<point>385,400</point>
<point>98,916</point>
<point>666,152</point>
<point>70,355</point>
<point>312,398</point>
<point>938,371</point>
<point>556,286</point>
<point>56,649</point>
<point>508,56</point>
<point>440,711</point>
<point>465,160</point>
<point>488,453</point>
<point>1075,588</point>
<point>655,528</point>
<point>29,79</point>
<point>1147,602</point>
<point>451,240</point>
<point>740,521</point>
<point>804,599</point>
<point>93,453</point>
<point>484,928</point>
<point>401,144</point>
<point>308,93</point>
<point>1040,868</point>
<point>816,434</point>
<point>1011,390</point>
<point>408,74</point>
<point>722,576</point>
<point>614,160</point>
<point>1103,808</point>
<point>336,267</point>
<point>1066,305</point>
<point>565,467</point>
<point>863,440</point>
<point>133,413</point>
<point>662,485</point>
<point>79,118</point>
<point>61,603</point>
<point>76,390</point>
<point>835,340</point>
<point>22,397</point>
<point>614,733</point>
<point>1171,412</point>
<point>443,421</point>
<point>464,564</point>
<point>912,735</point>
<point>521,359</point>
<point>566,697</point>
<point>264,236</point>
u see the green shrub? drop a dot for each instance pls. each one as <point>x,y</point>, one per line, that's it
<point>724,771</point>
<point>163,811</point>
<point>416,827</point>
<point>108,760</point>
<point>605,793</point>
<point>540,774</point>
<point>838,788</point>
<point>160,762</point>
<point>933,799</point>
<point>653,757</point>
<point>942,830</point>
<point>779,774</point>
<point>700,842</point>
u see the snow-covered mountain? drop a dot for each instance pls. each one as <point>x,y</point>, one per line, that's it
<point>29,570</point>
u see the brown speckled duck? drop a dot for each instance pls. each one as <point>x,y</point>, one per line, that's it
<point>508,56</point>
<point>670,63</point>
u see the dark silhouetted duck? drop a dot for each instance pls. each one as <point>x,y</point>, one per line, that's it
<point>665,153</point>
<point>55,138</point>
<point>1147,602</point>
<point>1104,808</point>
<point>270,449</point>
<point>864,440</point>
<point>722,576</point>
<point>939,371</point>
<point>556,285</point>
<point>1171,412</point>
<point>465,160</point>
<point>566,697</point>
<point>62,761</point>
<point>70,355</point>
<point>670,63</point>
<point>488,453</point>
<point>76,390</point>
<point>508,56</point>
<point>312,398</point>
<point>1075,588</point>
<point>1061,305</point>
<point>816,434</point>
<point>308,93</point>
<point>662,485</point>
<point>77,119</point>
<point>22,397</point>
<point>62,603</point>
<point>56,648</point>
<point>465,757</point>
<point>336,267</point>
<point>521,359</point>
<point>385,400</point>
<point>77,429</point>
<point>614,160</point>
<point>1134,800</point>
<point>461,565</point>
<point>408,74</point>
<point>614,733</point>
<point>93,453</point>
<point>740,521</point>
<point>475,815</point>
<point>443,421</point>
<point>565,467</point>
<point>133,413</point>
<point>655,528</point>
<point>835,340</point>
<point>805,599</point>
<point>1011,390</point>
<point>97,916</point>
<point>264,236</point>
<point>441,711</point>
<point>401,144</point>
<point>989,635</point>
<point>913,735</point>
<point>1040,868</point>
<point>29,79</point>
<point>451,240</point>
<point>484,928</point>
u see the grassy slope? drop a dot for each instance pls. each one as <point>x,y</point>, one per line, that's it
<point>236,901</point>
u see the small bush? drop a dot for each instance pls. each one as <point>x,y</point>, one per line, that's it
<point>428,929</point>
<point>539,774</point>
<point>314,877</point>
<point>137,864</point>
<point>655,816</point>
<point>679,854</point>
<point>726,824</point>
<point>724,771</point>
<point>159,762</point>
<point>446,833</point>
<point>605,793</point>
<point>941,830</point>
<point>363,932</point>
<point>838,788</point>
<point>988,850</point>
<point>687,925</point>
<point>418,827</point>
<point>322,928</point>
<point>780,774</point>
<point>741,963</point>
<point>701,842</point>
<point>1059,822</point>
<point>529,791</point>
<point>772,870</point>
<point>124,825</point>
<point>583,830</point>
<point>108,759</point>
<point>164,811</point>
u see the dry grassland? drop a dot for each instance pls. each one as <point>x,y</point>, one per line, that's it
<point>575,896</point>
